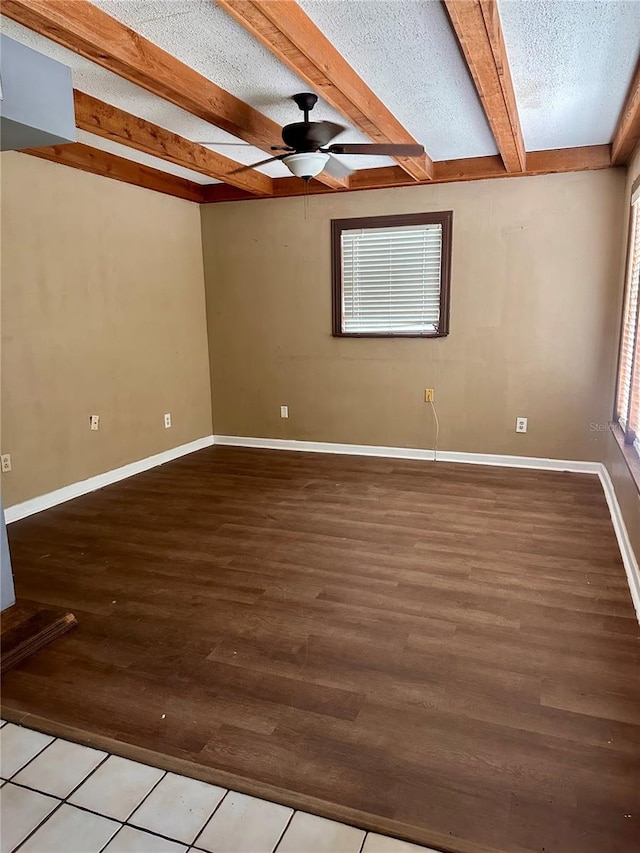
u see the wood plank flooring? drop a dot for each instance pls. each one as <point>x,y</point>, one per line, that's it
<point>448,653</point>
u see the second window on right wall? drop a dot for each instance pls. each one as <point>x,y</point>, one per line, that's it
<point>391,275</point>
<point>628,396</point>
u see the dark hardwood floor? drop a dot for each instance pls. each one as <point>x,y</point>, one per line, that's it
<point>448,653</point>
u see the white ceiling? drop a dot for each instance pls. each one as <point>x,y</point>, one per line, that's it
<point>571,63</point>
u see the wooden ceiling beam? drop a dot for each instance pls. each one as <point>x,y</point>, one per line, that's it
<point>479,32</point>
<point>445,171</point>
<point>113,123</point>
<point>288,32</point>
<point>85,29</point>
<point>627,135</point>
<point>88,159</point>
<point>80,156</point>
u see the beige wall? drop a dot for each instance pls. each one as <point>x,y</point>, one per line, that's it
<point>626,489</point>
<point>534,321</point>
<point>102,312</point>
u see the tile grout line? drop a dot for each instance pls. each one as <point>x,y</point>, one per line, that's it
<point>210,818</point>
<point>61,801</point>
<point>38,826</point>
<point>123,823</point>
<point>37,755</point>
<point>65,800</point>
<point>279,841</point>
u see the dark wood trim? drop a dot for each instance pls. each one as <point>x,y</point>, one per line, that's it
<point>387,177</point>
<point>627,135</point>
<point>98,162</point>
<point>443,218</point>
<point>560,160</point>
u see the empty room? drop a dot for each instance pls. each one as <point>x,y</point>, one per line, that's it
<point>320,426</point>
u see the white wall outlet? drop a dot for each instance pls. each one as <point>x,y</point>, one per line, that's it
<point>6,462</point>
<point>521,424</point>
<point>167,420</point>
<point>94,422</point>
<point>284,411</point>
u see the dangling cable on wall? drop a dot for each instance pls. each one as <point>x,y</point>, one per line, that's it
<point>435,441</point>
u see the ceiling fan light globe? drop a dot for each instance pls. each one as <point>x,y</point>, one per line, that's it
<point>307,164</point>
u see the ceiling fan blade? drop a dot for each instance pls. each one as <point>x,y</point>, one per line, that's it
<point>222,144</point>
<point>259,163</point>
<point>337,169</point>
<point>381,150</point>
<point>321,132</point>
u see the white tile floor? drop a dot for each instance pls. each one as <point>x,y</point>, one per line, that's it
<point>60,797</point>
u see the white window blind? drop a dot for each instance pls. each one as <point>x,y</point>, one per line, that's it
<point>628,401</point>
<point>391,279</point>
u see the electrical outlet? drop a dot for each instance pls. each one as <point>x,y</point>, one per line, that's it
<point>521,424</point>
<point>94,422</point>
<point>429,395</point>
<point>167,420</point>
<point>284,411</point>
<point>6,462</point>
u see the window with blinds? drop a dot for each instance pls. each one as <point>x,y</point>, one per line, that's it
<point>391,276</point>
<point>628,397</point>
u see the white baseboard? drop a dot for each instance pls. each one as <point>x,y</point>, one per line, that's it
<point>18,511</point>
<point>325,447</point>
<point>67,493</point>
<point>410,453</point>
<point>629,559</point>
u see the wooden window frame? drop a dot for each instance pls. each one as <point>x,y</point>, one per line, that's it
<point>625,436</point>
<point>443,218</point>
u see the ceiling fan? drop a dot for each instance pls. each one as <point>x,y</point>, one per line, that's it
<point>305,146</point>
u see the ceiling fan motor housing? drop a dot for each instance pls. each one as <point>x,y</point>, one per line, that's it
<point>297,136</point>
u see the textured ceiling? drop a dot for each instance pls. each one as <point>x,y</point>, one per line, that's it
<point>203,36</point>
<point>408,54</point>
<point>571,64</point>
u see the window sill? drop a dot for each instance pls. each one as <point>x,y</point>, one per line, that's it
<point>630,456</point>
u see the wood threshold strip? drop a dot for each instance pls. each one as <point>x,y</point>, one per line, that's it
<point>88,159</point>
<point>445,171</point>
<point>627,135</point>
<point>479,32</point>
<point>263,790</point>
<point>113,123</point>
<point>290,34</point>
<point>87,30</point>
